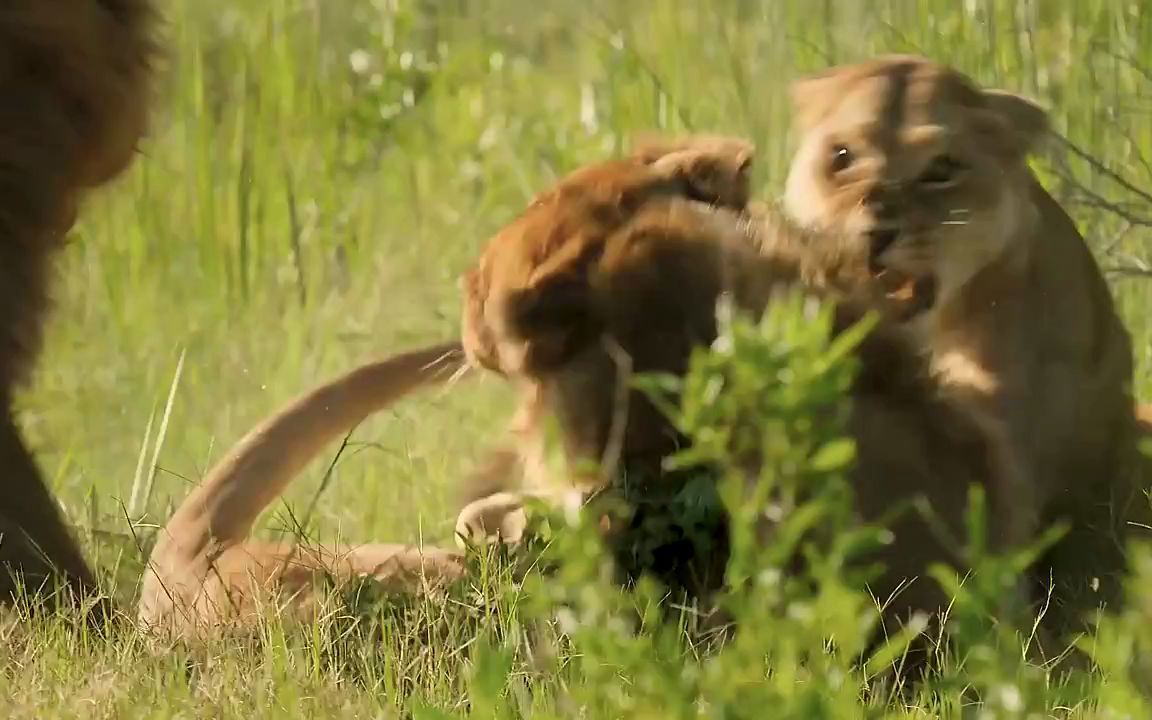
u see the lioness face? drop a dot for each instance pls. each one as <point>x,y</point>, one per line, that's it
<point>916,170</point>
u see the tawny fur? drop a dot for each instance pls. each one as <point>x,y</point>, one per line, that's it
<point>645,291</point>
<point>74,75</point>
<point>566,224</point>
<point>913,167</point>
<point>205,573</point>
<point>562,225</point>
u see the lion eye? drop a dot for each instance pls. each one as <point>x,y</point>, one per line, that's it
<point>941,172</point>
<point>841,158</point>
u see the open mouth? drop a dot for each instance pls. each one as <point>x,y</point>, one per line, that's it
<point>908,294</point>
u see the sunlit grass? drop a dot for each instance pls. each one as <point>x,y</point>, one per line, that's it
<point>319,175</point>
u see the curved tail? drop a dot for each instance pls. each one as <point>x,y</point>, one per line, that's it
<point>203,566</point>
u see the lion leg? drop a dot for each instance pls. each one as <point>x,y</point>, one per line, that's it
<point>249,578</point>
<point>35,544</point>
<point>1086,569</point>
<point>500,517</point>
<point>290,567</point>
<point>1082,573</point>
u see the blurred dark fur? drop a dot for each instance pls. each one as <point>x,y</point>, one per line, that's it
<point>75,78</point>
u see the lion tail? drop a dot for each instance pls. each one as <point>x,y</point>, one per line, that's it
<point>214,521</point>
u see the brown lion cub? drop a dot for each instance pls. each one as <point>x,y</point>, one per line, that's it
<point>564,229</point>
<point>923,174</point>
<point>565,223</point>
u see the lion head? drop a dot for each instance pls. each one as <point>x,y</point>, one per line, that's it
<point>914,167</point>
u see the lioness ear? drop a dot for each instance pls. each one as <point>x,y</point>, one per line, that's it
<point>811,96</point>
<point>1027,120</point>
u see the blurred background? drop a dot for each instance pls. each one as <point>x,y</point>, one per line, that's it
<point>320,173</point>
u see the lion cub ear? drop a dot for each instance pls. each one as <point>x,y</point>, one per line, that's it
<point>479,344</point>
<point>649,147</point>
<point>548,323</point>
<point>718,173</point>
<point>1026,119</point>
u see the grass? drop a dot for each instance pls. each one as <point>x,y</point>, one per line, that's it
<point>320,174</point>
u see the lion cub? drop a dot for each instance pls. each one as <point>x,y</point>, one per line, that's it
<point>923,175</point>
<point>560,237</point>
<point>569,220</point>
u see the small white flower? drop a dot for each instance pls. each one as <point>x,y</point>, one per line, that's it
<point>488,138</point>
<point>360,61</point>
<point>588,114</point>
<point>1009,698</point>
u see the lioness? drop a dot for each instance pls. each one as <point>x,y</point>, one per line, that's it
<point>923,174</point>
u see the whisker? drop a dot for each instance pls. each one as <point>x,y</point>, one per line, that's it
<point>458,375</point>
<point>963,212</point>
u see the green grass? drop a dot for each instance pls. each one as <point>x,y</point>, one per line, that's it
<point>319,175</point>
